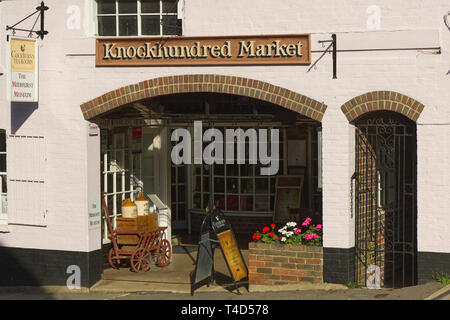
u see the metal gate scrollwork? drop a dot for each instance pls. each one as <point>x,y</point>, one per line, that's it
<point>385,200</point>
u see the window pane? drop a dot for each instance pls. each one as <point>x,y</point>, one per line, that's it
<point>2,162</point>
<point>232,203</point>
<point>246,203</point>
<point>127,6</point>
<point>170,6</point>
<point>106,6</point>
<point>232,170</point>
<point>181,194</point>
<point>232,185</point>
<point>170,25</point>
<point>197,200</point>
<point>2,141</point>
<point>247,186</point>
<point>150,6</point>
<point>219,201</point>
<point>219,185</point>
<point>106,26</point>
<point>181,174</point>
<point>205,184</point>
<point>262,185</point>
<point>197,184</point>
<point>128,26</point>
<point>150,25</point>
<point>181,213</point>
<point>261,203</point>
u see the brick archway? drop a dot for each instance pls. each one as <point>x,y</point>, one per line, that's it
<point>204,83</point>
<point>382,100</point>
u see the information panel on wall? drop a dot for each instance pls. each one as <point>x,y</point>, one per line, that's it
<point>223,50</point>
<point>23,53</point>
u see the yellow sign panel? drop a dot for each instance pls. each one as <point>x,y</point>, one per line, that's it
<point>23,55</point>
<point>232,255</point>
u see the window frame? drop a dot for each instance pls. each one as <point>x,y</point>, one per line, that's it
<point>138,14</point>
<point>204,178</point>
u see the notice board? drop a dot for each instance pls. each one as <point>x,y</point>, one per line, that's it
<point>288,190</point>
<point>232,255</point>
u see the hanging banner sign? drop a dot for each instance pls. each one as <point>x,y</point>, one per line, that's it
<point>223,50</point>
<point>23,54</point>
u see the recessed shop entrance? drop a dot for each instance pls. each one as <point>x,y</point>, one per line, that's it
<point>137,147</point>
<point>385,200</point>
<point>137,125</point>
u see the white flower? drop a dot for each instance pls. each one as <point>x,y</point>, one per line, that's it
<point>283,239</point>
<point>291,224</point>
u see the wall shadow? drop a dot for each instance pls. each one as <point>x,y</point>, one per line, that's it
<point>20,112</point>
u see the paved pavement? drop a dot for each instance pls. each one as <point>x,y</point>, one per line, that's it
<point>173,283</point>
<point>428,291</point>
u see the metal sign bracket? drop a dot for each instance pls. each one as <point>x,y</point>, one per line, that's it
<point>42,32</point>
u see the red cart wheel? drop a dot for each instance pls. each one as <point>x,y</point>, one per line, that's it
<point>141,260</point>
<point>114,262</point>
<point>164,253</point>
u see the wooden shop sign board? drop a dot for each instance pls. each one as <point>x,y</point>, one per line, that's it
<point>224,50</point>
<point>232,255</point>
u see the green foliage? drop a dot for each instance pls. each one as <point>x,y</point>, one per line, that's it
<point>352,285</point>
<point>441,277</point>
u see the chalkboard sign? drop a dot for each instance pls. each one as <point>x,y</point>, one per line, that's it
<point>205,259</point>
<point>287,195</point>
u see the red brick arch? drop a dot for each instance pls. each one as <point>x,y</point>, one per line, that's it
<point>204,83</point>
<point>382,100</point>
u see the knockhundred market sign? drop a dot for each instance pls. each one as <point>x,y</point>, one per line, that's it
<point>224,50</point>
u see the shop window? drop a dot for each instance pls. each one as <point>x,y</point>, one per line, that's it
<point>138,17</point>
<point>128,163</point>
<point>3,184</point>
<point>237,187</point>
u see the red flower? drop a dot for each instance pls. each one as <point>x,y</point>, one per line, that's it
<point>266,229</point>
<point>271,234</point>
<point>273,225</point>
<point>256,236</point>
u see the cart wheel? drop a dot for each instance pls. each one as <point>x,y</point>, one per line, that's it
<point>164,253</point>
<point>141,260</point>
<point>112,260</point>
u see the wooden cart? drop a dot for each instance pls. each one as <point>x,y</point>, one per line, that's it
<point>139,255</point>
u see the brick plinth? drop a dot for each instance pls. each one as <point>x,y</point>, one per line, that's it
<point>277,264</point>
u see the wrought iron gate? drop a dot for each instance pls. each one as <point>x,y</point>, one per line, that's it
<point>385,201</point>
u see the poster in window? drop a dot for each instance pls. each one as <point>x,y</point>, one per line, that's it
<point>287,195</point>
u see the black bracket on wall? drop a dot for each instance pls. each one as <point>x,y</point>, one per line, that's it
<point>333,43</point>
<point>41,33</point>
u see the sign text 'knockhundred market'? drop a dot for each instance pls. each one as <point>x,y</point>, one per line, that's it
<point>282,49</point>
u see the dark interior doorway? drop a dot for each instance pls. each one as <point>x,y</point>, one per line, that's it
<point>385,196</point>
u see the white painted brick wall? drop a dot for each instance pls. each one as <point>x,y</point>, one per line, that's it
<point>68,78</point>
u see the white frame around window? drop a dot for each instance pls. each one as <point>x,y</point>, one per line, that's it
<point>136,173</point>
<point>138,14</point>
